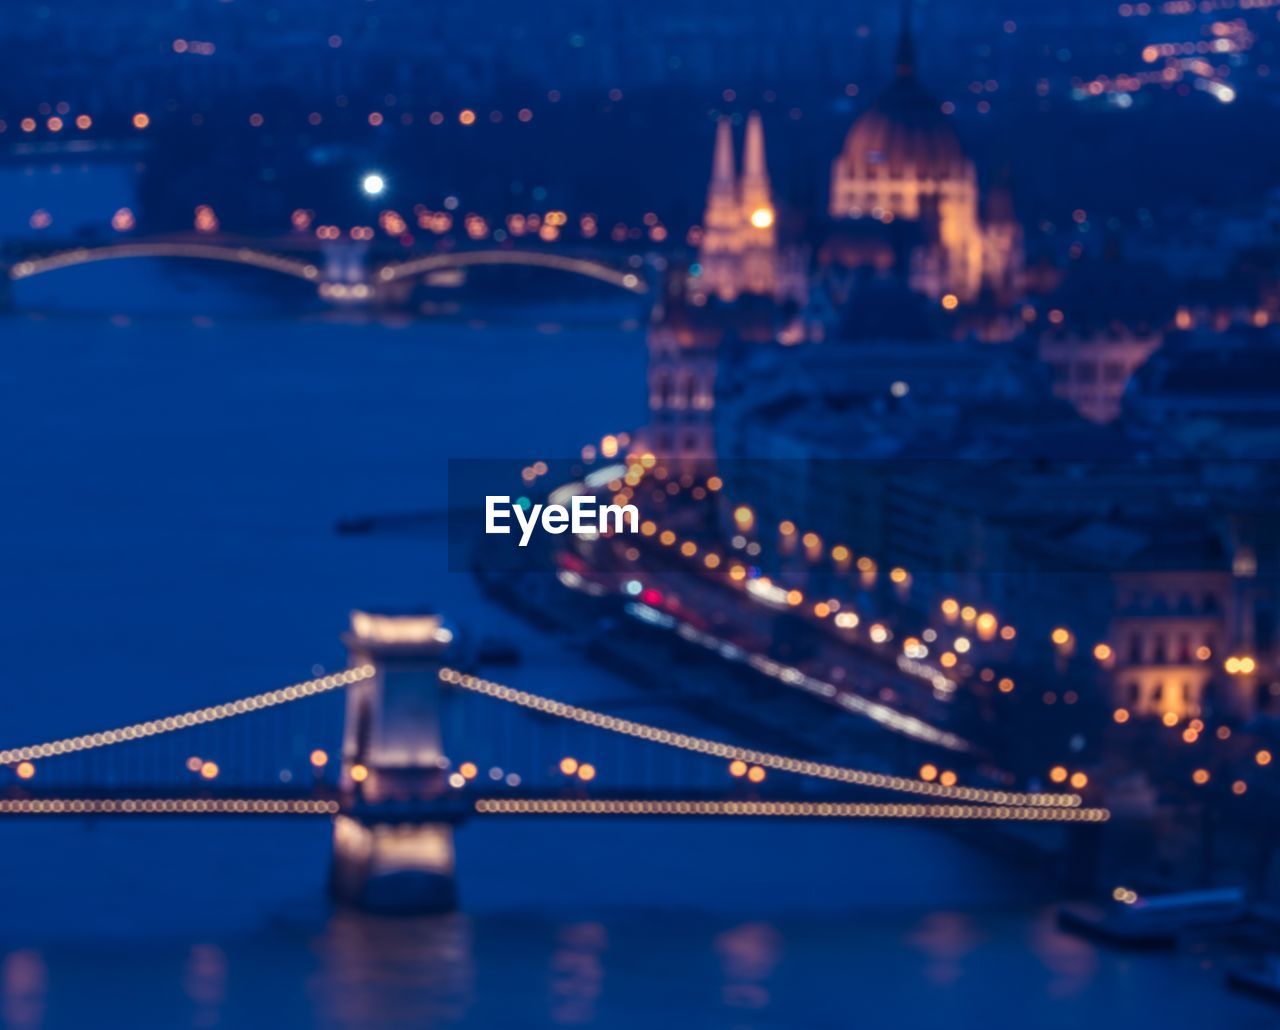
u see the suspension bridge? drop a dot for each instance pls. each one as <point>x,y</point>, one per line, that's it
<point>420,744</point>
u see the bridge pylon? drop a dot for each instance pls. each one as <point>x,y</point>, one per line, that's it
<point>344,274</point>
<point>392,761</point>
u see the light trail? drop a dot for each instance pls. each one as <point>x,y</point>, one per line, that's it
<point>878,712</point>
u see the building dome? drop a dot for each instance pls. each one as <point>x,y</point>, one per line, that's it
<point>904,133</point>
<point>902,161</point>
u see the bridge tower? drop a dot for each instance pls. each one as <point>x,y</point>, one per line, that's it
<point>344,273</point>
<point>393,762</point>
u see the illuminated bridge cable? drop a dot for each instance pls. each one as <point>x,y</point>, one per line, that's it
<point>730,752</point>
<point>787,809</point>
<point>185,720</point>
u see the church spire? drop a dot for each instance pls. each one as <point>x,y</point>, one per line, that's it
<point>722,175</point>
<point>721,245</point>
<point>753,166</point>
<point>905,62</point>
<point>756,193</point>
<point>759,256</point>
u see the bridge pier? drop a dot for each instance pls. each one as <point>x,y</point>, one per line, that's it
<point>392,758</point>
<point>344,277</point>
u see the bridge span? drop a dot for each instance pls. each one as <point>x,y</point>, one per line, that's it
<point>455,809</point>
<point>409,709</point>
<point>591,269</point>
<point>248,256</point>
<point>344,272</point>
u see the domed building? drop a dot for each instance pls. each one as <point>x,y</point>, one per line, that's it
<point>902,159</point>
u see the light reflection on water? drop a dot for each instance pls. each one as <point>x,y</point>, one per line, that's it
<point>394,971</point>
<point>748,955</point>
<point>946,939</point>
<point>205,982</point>
<point>622,969</point>
<point>25,983</point>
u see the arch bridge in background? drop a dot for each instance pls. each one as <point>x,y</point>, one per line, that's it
<point>248,256</point>
<point>314,271</point>
<point>588,267</point>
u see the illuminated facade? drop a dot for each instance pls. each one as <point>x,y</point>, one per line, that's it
<point>682,380</point>
<point>691,340</point>
<point>903,160</point>
<point>732,291</point>
<point>1091,370</point>
<point>738,252</point>
<point>1169,632</point>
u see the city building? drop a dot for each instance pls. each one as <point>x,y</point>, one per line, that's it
<point>738,248</point>
<point>1173,618</point>
<point>840,383</point>
<point>1091,369</point>
<point>903,160</point>
<point>1213,394</point>
<point>688,340</point>
<point>1105,320</point>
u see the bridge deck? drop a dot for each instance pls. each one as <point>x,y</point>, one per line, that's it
<point>459,806</point>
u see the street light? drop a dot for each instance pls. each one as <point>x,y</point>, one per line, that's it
<point>373,184</point>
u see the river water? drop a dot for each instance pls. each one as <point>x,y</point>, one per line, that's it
<point>171,484</point>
